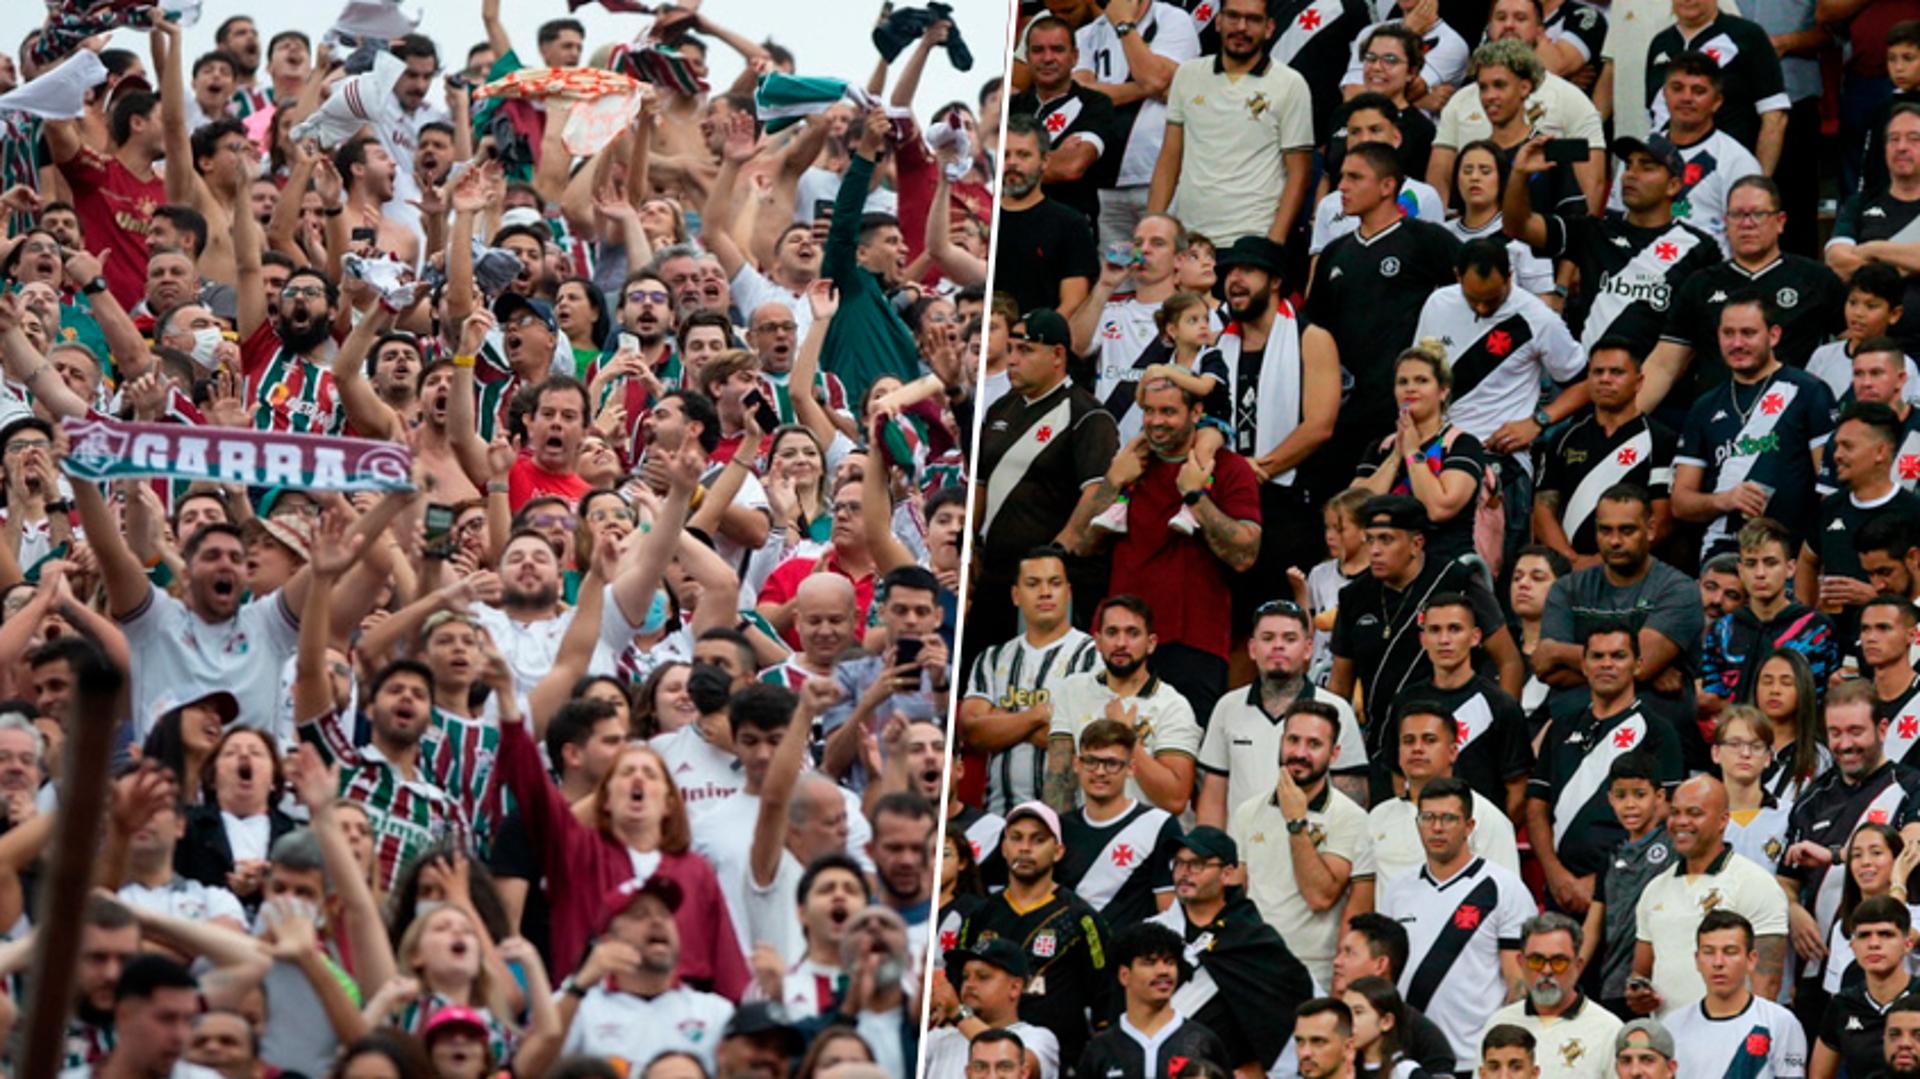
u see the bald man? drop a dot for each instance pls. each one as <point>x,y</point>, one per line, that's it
<point>825,608</point>
<point>1710,877</point>
<point>774,336</point>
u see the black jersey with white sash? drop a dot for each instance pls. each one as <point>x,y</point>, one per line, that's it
<point>1571,777</point>
<point>1036,456</point>
<point>1763,432</point>
<point>1586,459</point>
<point>1629,274</point>
<point>1121,864</point>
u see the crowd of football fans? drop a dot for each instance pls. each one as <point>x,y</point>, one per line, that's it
<point>1446,557</point>
<point>608,746</point>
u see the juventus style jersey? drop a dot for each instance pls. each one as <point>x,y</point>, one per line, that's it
<point>1628,274</point>
<point>1764,432</point>
<point>1762,1041</point>
<point>1587,459</point>
<point>1456,930</point>
<point>1013,677</point>
<point>1497,361</point>
<point>1119,865</point>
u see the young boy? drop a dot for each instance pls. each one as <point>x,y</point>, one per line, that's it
<point>1740,641</point>
<point>1640,803</point>
<point>1903,68</point>
<point>1757,821</point>
<point>1319,590</point>
<point>1873,306</point>
<point>1506,1052</point>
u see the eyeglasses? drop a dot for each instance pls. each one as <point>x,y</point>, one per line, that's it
<point>1746,747</point>
<point>1194,865</point>
<point>846,509</point>
<point>1446,819</point>
<point>1556,963</point>
<point>647,295</point>
<point>1750,216</point>
<point>552,520</point>
<point>1102,764</point>
<point>295,292</point>
<point>20,446</point>
<point>1384,59</point>
<point>776,327</point>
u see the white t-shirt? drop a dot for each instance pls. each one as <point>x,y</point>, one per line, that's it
<point>946,1051</point>
<point>1672,904</point>
<point>751,289</point>
<point>705,774</point>
<point>1397,850</point>
<point>724,838</point>
<point>1243,743</point>
<point>249,838</point>
<point>1233,165</point>
<point>631,1030</point>
<point>1762,1041</point>
<point>1082,698</point>
<point>1577,1045</point>
<point>773,912</point>
<point>1563,113</point>
<point>178,656</point>
<point>186,899</point>
<point>530,648</point>
<point>1339,829</point>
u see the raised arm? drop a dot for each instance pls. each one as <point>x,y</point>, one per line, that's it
<point>497,37</point>
<point>26,366</point>
<point>165,40</point>
<point>876,516</point>
<point>960,265</point>
<point>1517,216</point>
<point>251,297</point>
<point>334,549</point>
<point>783,774</point>
<point>370,416</point>
<point>239,962</point>
<point>825,301</point>
<point>575,654</point>
<point>316,785</point>
<point>127,584</point>
<point>639,578</point>
<point>716,230</point>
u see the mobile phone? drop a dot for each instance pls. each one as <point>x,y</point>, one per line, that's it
<point>822,208</point>
<point>1566,151</point>
<point>439,522</point>
<point>763,413</point>
<point>364,235</point>
<point>906,651</point>
<point>627,342</point>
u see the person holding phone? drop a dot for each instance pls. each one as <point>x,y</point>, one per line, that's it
<point>909,678</point>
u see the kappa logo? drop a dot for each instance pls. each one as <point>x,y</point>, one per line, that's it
<point>1718,416</point>
<point>1621,241</point>
<point>1334,274</point>
<point>1719,296</point>
<point>1837,526</point>
<point>1873,211</point>
<point>1662,58</point>
<point>1854,1023</point>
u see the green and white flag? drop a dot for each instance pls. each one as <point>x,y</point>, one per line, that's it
<point>781,100</point>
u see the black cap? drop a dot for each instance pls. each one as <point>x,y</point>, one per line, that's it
<point>1210,842</point>
<point>993,951</point>
<point>1654,146</point>
<point>510,304</point>
<point>1044,326</point>
<point>1255,251</point>
<point>1403,512</point>
<point>761,1018</point>
<point>25,421</point>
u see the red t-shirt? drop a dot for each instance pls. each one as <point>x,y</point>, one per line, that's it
<point>1179,576</point>
<point>114,211</point>
<point>785,580</point>
<point>527,481</point>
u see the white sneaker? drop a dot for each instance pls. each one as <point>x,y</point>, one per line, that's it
<point>1114,518</point>
<point>1184,522</point>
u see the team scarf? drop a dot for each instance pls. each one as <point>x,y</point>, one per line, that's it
<point>106,449</point>
<point>782,100</point>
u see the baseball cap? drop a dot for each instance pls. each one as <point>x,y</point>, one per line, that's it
<point>1657,1038</point>
<point>623,894</point>
<point>763,1017</point>
<point>1210,842</point>
<point>1044,326</point>
<point>455,1016</point>
<point>510,304</point>
<point>1039,810</point>
<point>1654,146</point>
<point>1404,512</point>
<point>225,704</point>
<point>290,530</point>
<point>993,951</point>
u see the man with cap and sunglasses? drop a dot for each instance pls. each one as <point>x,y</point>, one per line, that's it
<point>1245,982</point>
<point>1043,450</point>
<point>992,977</point>
<point>1376,634</point>
<point>625,1002</point>
<point>1062,937</point>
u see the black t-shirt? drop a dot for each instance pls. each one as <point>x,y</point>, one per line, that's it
<point>1873,168</point>
<point>1088,113</point>
<point>1119,866</point>
<point>1750,76</point>
<point>513,857</point>
<point>1629,274</point>
<point>1453,537</point>
<point>1836,523</point>
<point>1377,629</point>
<point>1051,449</point>
<point>1585,460</point>
<point>1114,1054</point>
<point>1493,746</point>
<point>1070,987</point>
<point>1039,247</point>
<point>1367,293</point>
<point>1811,301</point>
<point>1855,1027</point>
<point>1581,24</point>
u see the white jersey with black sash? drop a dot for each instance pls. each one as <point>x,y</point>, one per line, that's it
<point>1761,1041</point>
<point>1013,677</point>
<point>1497,360</point>
<point>1456,931</point>
<point>1169,32</point>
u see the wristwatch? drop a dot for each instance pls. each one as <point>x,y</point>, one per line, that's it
<point>1295,827</point>
<point>1541,418</point>
<point>94,287</point>
<point>1193,497</point>
<point>573,988</point>
<point>59,505</point>
<point>1122,29</point>
<point>962,1014</point>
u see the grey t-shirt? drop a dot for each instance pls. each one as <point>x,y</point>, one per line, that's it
<point>1665,599</point>
<point>1634,863</point>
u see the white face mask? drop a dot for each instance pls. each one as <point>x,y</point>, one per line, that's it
<point>205,341</point>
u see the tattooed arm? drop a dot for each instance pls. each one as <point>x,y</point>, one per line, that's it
<point>1057,790</point>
